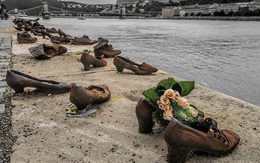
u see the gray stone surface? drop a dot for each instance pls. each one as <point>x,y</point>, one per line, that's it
<point>5,56</point>
<point>6,24</point>
<point>2,108</point>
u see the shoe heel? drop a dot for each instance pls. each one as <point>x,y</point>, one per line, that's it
<point>145,125</point>
<point>86,66</point>
<point>177,155</point>
<point>119,69</point>
<point>144,116</point>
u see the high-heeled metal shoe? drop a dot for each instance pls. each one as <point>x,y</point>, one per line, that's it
<point>18,81</point>
<point>182,139</point>
<point>144,112</point>
<point>122,63</point>
<point>81,97</point>
<point>87,60</point>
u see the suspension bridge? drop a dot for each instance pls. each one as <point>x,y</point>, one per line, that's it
<point>44,10</point>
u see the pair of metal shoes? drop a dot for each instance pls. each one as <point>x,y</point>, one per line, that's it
<point>84,97</point>
<point>90,61</point>
<point>46,51</point>
<point>62,38</point>
<point>84,40</point>
<point>202,137</point>
<point>25,38</point>
<point>103,49</point>
<point>81,97</point>
<point>122,63</point>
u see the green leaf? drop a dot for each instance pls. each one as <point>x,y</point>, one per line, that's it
<point>166,84</point>
<point>177,87</point>
<point>186,87</point>
<point>151,97</point>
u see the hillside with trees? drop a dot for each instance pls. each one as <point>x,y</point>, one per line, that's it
<point>25,4</point>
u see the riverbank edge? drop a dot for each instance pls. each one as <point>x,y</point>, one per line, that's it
<point>220,18</point>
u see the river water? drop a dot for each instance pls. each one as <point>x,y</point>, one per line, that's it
<point>221,55</point>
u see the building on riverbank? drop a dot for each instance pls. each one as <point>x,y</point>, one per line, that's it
<point>211,10</point>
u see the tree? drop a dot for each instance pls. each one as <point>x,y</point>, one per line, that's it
<point>137,10</point>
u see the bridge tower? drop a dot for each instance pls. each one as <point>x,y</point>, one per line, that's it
<point>45,13</point>
<point>122,12</point>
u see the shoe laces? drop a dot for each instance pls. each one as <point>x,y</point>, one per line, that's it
<point>217,133</point>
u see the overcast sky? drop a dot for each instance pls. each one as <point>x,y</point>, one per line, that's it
<point>94,1</point>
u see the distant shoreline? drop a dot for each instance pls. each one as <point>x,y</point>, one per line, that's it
<point>237,18</point>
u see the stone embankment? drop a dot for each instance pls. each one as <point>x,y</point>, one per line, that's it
<point>6,139</point>
<point>34,127</point>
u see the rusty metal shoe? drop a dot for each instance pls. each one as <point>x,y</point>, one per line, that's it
<point>122,63</point>
<point>106,51</point>
<point>25,38</point>
<point>18,81</point>
<point>182,139</point>
<point>87,60</point>
<point>83,41</point>
<point>36,33</point>
<point>45,51</point>
<point>81,97</point>
<point>51,30</point>
<point>61,33</point>
<point>101,42</point>
<point>144,113</point>
<point>59,49</point>
<point>19,28</point>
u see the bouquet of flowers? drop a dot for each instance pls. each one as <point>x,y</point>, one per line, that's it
<point>86,50</point>
<point>168,102</point>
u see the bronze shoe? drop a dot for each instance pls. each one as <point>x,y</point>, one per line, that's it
<point>101,42</point>
<point>18,81</point>
<point>144,113</point>
<point>181,139</point>
<point>61,33</point>
<point>139,69</point>
<point>106,51</point>
<point>87,60</point>
<point>37,25</point>
<point>51,30</point>
<point>45,51</point>
<point>59,49</point>
<point>36,33</point>
<point>81,97</point>
<point>18,28</point>
<point>83,41</point>
<point>45,33</point>
<point>24,38</point>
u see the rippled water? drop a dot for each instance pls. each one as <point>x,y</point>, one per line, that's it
<point>222,55</point>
